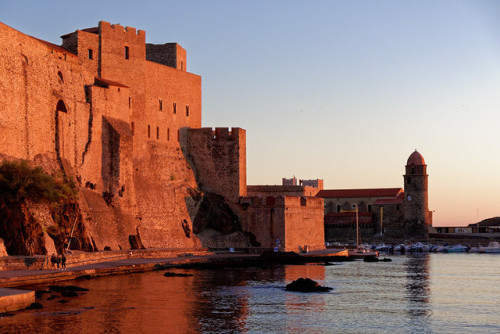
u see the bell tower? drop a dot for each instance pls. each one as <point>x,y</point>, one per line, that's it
<point>417,217</point>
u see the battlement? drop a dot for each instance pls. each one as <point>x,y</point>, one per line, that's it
<point>282,201</point>
<point>135,36</point>
<point>221,134</point>
<point>269,190</point>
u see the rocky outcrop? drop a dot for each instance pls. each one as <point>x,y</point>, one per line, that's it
<point>306,285</point>
<point>214,213</point>
<point>36,207</point>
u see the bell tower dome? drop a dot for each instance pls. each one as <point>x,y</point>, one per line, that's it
<point>416,209</point>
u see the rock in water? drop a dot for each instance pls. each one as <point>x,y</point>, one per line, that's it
<point>69,294</point>
<point>35,306</point>
<point>306,285</point>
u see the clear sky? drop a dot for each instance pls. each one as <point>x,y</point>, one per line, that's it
<point>344,91</point>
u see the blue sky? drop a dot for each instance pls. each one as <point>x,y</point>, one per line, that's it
<point>338,90</point>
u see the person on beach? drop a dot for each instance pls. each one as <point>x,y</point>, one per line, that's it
<point>53,260</point>
<point>58,261</point>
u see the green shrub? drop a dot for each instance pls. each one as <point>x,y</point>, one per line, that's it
<point>20,181</point>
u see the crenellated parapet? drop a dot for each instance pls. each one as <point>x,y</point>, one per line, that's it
<point>282,201</point>
<point>123,33</point>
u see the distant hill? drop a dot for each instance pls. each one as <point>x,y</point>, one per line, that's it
<point>495,221</point>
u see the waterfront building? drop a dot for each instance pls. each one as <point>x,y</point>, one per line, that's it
<point>392,212</point>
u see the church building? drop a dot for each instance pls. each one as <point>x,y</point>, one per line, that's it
<point>391,212</point>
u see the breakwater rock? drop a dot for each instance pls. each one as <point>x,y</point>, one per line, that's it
<point>306,285</point>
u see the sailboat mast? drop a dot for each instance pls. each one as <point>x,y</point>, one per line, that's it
<point>357,229</point>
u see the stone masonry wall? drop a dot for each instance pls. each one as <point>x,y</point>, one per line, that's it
<point>219,160</point>
<point>290,222</point>
<point>169,54</point>
<point>55,112</point>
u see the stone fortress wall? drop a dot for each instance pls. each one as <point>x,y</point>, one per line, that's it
<point>111,121</point>
<point>122,118</point>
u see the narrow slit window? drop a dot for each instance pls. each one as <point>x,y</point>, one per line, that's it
<point>91,54</point>
<point>168,133</point>
<point>127,52</point>
<point>187,110</point>
<point>175,108</point>
<point>132,128</point>
<point>161,105</point>
<point>149,131</point>
<point>178,135</point>
<point>157,132</point>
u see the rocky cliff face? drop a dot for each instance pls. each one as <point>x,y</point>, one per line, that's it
<point>38,211</point>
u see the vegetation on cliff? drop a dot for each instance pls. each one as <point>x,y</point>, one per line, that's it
<point>19,182</point>
<point>27,191</point>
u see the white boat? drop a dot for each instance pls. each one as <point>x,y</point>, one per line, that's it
<point>493,247</point>
<point>419,247</point>
<point>437,249</point>
<point>399,248</point>
<point>474,249</point>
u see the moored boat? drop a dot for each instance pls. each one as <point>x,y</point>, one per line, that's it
<point>455,249</point>
<point>493,247</point>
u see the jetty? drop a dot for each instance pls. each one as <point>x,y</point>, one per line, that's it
<point>19,271</point>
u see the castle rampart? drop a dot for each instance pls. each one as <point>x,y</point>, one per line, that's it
<point>290,223</point>
<point>91,108</point>
<point>219,159</point>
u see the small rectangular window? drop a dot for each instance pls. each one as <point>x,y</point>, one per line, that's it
<point>149,131</point>
<point>178,135</point>
<point>91,54</point>
<point>132,127</point>
<point>175,108</point>
<point>168,133</point>
<point>187,110</point>
<point>161,105</point>
<point>157,132</point>
<point>127,52</point>
<point>129,102</point>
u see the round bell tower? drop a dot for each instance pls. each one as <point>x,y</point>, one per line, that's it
<point>417,217</point>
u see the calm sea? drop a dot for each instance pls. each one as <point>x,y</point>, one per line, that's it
<point>430,293</point>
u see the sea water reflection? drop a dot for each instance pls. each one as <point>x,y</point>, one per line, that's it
<point>432,293</point>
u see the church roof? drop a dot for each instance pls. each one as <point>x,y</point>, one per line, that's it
<point>416,159</point>
<point>357,193</point>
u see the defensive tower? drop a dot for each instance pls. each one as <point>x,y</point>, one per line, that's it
<point>417,217</point>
